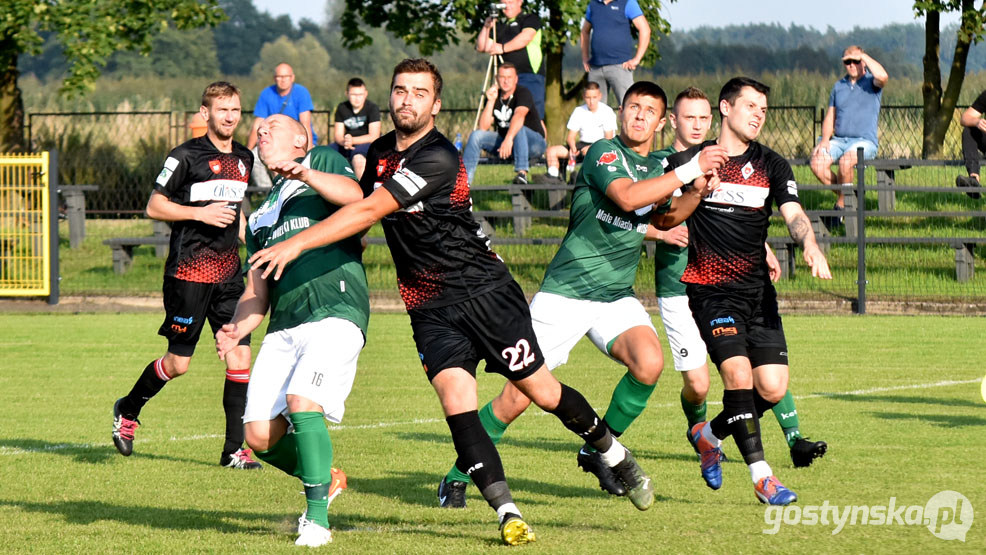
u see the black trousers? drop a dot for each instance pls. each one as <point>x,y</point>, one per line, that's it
<point>973,142</point>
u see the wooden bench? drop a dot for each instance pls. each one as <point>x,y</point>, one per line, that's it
<point>75,211</point>
<point>522,211</point>
<point>785,248</point>
<point>123,247</point>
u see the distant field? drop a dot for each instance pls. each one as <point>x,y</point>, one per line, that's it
<point>896,398</point>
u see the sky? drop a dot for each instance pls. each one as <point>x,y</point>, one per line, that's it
<point>842,15</point>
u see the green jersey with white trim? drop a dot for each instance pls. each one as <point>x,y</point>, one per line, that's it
<point>669,260</point>
<point>325,282</point>
<point>599,255</point>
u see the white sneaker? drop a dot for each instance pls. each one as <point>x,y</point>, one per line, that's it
<point>313,535</point>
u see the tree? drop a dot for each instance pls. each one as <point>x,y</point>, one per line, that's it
<point>89,31</point>
<point>174,53</point>
<point>306,56</point>
<point>432,25</point>
<point>939,105</point>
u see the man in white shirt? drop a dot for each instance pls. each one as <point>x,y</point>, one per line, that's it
<point>588,123</point>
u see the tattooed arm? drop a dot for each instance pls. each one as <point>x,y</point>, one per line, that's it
<point>799,227</point>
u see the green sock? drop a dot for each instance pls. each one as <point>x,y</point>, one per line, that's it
<point>694,413</point>
<point>494,427</point>
<point>315,462</point>
<point>282,455</point>
<point>787,417</point>
<point>629,400</point>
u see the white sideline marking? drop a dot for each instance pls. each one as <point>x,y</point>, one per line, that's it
<point>84,446</point>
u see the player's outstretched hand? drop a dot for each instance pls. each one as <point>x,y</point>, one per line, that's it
<point>218,214</point>
<point>227,338</point>
<point>677,236</point>
<point>819,265</point>
<point>290,169</point>
<point>275,258</point>
<point>712,158</point>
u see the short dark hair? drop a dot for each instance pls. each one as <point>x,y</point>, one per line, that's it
<point>592,86</point>
<point>733,87</point>
<point>690,93</point>
<point>509,65</point>
<point>647,88</point>
<point>355,82</point>
<point>219,89</point>
<point>419,65</point>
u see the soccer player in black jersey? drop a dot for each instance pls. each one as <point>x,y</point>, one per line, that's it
<point>199,191</point>
<point>728,287</point>
<point>464,304</point>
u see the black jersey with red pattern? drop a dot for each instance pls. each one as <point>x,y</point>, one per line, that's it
<point>728,229</point>
<point>440,251</point>
<point>196,173</point>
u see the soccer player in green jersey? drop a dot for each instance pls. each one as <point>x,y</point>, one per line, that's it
<point>588,286</point>
<point>319,311</point>
<point>691,118</point>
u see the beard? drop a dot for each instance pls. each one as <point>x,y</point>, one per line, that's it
<point>410,124</point>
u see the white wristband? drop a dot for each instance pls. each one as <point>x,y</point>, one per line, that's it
<point>690,171</point>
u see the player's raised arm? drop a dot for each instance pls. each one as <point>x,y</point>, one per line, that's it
<point>630,195</point>
<point>346,222</point>
<point>337,189</point>
<point>683,206</point>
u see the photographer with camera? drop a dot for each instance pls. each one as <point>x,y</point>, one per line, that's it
<point>517,39</point>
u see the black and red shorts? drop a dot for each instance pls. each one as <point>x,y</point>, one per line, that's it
<point>187,306</point>
<point>739,322</point>
<point>495,327</point>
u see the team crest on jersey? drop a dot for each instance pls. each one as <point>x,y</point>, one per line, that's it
<point>747,170</point>
<point>242,167</point>
<point>380,168</point>
<point>215,165</point>
<point>607,158</point>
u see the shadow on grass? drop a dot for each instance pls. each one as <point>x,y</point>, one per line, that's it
<point>913,399</point>
<point>81,511</point>
<point>81,452</point>
<point>558,446</point>
<point>943,420</point>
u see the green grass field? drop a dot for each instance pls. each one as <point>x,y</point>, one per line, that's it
<point>896,398</point>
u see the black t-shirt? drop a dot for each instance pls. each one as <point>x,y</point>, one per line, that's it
<point>440,252</point>
<point>728,229</point>
<point>506,31</point>
<point>196,173</point>
<point>980,104</point>
<point>357,123</point>
<point>503,111</point>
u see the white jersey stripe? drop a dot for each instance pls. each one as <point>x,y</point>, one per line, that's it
<point>217,189</point>
<point>739,195</point>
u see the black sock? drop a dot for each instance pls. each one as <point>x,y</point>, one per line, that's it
<point>739,419</point>
<point>477,457</point>
<point>148,385</point>
<point>234,403</point>
<point>577,415</point>
<point>761,404</point>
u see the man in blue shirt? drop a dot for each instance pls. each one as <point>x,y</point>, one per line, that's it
<point>850,122</point>
<point>610,57</point>
<point>283,97</point>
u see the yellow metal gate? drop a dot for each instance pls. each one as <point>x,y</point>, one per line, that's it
<point>25,225</point>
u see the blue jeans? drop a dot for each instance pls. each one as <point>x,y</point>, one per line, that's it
<point>527,145</point>
<point>534,83</point>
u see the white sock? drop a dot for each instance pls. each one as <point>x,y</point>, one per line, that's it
<point>552,171</point>
<point>709,436</point>
<point>506,508</point>
<point>614,455</point>
<point>760,470</point>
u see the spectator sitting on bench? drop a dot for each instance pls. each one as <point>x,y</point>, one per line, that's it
<point>519,132</point>
<point>589,122</point>
<point>973,142</point>
<point>357,125</point>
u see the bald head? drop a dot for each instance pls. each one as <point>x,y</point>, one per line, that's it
<point>283,78</point>
<point>281,138</point>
